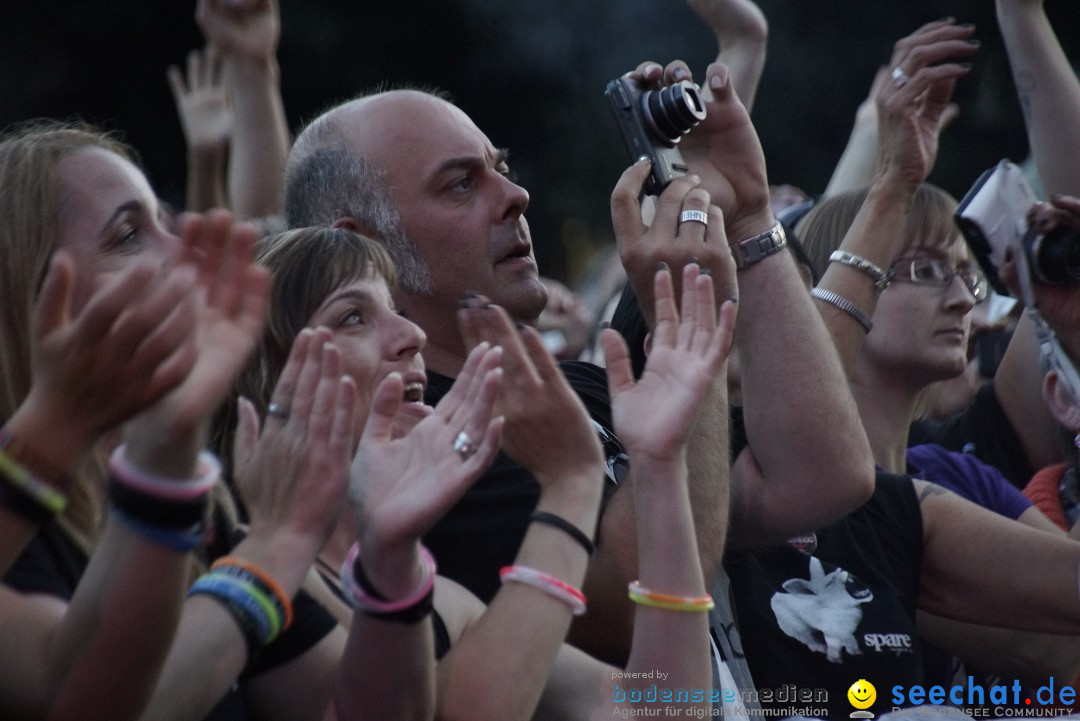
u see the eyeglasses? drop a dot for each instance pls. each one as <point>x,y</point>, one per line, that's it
<point>930,271</point>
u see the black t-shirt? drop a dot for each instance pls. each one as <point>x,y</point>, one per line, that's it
<point>483,531</point>
<point>53,564</point>
<point>846,612</point>
<point>982,429</point>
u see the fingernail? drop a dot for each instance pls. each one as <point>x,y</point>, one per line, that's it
<point>947,19</point>
<point>681,74</point>
<point>975,42</point>
<point>695,179</point>
<point>693,259</point>
<point>651,68</point>
<point>1056,196</point>
<point>644,159</point>
<point>519,325</point>
<point>966,66</point>
<point>716,81</point>
<point>705,271</point>
<point>661,266</point>
<point>734,300</point>
<point>966,25</point>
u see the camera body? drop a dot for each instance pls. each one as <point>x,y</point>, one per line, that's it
<point>993,217</point>
<point>652,122</point>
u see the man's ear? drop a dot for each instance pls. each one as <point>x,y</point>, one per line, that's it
<point>350,223</point>
<point>1063,407</point>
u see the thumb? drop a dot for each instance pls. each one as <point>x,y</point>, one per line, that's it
<point>247,436</point>
<point>54,303</point>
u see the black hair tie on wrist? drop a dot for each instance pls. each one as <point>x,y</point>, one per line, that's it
<point>564,525</point>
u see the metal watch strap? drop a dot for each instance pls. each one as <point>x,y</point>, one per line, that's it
<point>750,251</point>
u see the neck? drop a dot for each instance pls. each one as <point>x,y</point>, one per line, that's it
<point>444,352</point>
<point>887,407</point>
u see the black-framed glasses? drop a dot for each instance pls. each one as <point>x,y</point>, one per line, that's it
<point>931,271</point>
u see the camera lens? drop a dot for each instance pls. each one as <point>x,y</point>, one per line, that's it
<point>1055,257</point>
<point>670,112</point>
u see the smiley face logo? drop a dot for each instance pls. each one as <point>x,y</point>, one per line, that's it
<point>862,694</point>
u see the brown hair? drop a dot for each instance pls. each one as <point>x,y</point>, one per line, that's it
<point>306,265</point>
<point>928,225</point>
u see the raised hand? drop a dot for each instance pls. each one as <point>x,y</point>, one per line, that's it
<point>642,248</point>
<point>247,28</point>
<point>402,484</point>
<point>201,101</point>
<point>293,475</point>
<point>915,105</point>
<point>127,347</point>
<point>654,415</point>
<point>547,428</point>
<point>232,296</point>
<point>724,150</point>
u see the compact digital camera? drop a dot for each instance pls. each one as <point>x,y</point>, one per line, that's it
<point>652,122</point>
<point>993,217</point>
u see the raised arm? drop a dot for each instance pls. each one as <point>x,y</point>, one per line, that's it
<point>83,661</point>
<point>245,34</point>
<point>402,484</point>
<point>910,110</point>
<point>498,668</point>
<point>778,489</point>
<point>206,120</point>
<point>741,33</point>
<point>292,476</point>
<point>1049,92</point>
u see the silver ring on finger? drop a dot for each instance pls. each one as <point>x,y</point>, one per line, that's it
<point>464,446</point>
<point>899,77</point>
<point>694,216</point>
<point>276,411</point>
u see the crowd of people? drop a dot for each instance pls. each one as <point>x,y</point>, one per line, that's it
<point>328,445</point>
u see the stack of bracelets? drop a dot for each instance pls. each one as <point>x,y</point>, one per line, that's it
<point>30,486</point>
<point>363,596</point>
<point>257,603</point>
<point>641,595</point>
<point>169,512</point>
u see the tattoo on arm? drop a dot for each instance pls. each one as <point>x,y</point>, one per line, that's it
<point>931,489</point>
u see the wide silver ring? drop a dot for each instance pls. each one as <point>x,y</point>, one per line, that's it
<point>694,216</point>
<point>276,411</point>
<point>463,446</point>
<point>899,77</point>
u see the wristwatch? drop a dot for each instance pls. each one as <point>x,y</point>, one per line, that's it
<point>750,251</point>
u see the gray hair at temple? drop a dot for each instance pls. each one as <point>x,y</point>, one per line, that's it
<point>327,179</point>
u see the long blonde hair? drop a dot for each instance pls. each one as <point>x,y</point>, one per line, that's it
<point>30,204</point>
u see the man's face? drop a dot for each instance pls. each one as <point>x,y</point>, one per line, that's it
<point>456,201</point>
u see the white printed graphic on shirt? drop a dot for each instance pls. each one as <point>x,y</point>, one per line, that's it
<point>824,612</point>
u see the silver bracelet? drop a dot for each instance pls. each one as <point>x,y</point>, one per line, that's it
<point>845,305</point>
<point>751,250</point>
<point>881,280</point>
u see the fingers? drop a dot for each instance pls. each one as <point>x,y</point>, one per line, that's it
<point>176,84</point>
<point>384,406</point>
<point>54,302</point>
<point>247,435</point>
<point>307,382</point>
<point>106,305</point>
<point>625,208</point>
<point>286,385</point>
<point>667,316</point>
<point>676,198</point>
<point>617,360</point>
<point>718,86</point>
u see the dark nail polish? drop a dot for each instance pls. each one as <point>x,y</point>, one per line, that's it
<point>661,266</point>
<point>693,259</point>
<point>705,271</point>
<point>519,325</point>
<point>975,42</point>
<point>966,66</point>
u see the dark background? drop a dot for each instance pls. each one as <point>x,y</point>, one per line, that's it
<point>531,74</point>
